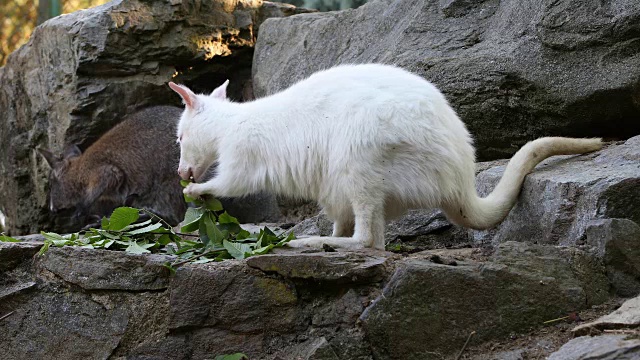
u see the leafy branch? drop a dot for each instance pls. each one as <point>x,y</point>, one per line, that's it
<point>218,235</point>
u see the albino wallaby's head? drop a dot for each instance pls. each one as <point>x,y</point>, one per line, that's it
<point>197,153</point>
<point>79,192</point>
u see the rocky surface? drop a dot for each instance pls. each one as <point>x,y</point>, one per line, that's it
<point>81,73</point>
<point>512,70</point>
<point>608,347</point>
<point>613,336</point>
<point>563,196</point>
<point>627,316</point>
<point>77,303</point>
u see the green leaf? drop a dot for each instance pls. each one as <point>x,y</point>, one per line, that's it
<point>243,234</point>
<point>225,218</point>
<point>5,238</point>
<point>290,237</point>
<point>202,261</point>
<point>229,223</point>
<point>236,356</point>
<point>60,243</point>
<point>44,247</point>
<point>146,229</point>
<point>191,219</point>
<point>172,270</point>
<point>123,217</point>
<point>223,256</point>
<point>263,250</point>
<point>108,235</point>
<point>237,250</point>
<point>202,230</point>
<point>212,204</point>
<point>184,183</point>
<point>52,236</point>
<point>140,224</point>
<point>189,199</point>
<point>164,239</point>
<point>134,248</point>
<point>104,223</point>
<point>213,233</point>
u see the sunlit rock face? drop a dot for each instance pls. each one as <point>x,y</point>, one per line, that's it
<point>81,73</point>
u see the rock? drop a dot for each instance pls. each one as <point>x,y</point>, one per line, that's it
<point>316,225</point>
<point>107,270</point>
<point>334,267</point>
<point>513,72</point>
<point>627,316</point>
<point>320,349</point>
<point>562,197</point>
<point>76,303</point>
<point>427,310</point>
<point>607,347</point>
<point>13,254</point>
<point>616,241</point>
<point>424,229</point>
<point>81,73</point>
<point>62,325</point>
<point>511,355</point>
<point>577,270</point>
<point>417,230</point>
<point>220,299</point>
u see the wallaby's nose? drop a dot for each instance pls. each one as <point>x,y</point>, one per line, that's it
<point>185,174</point>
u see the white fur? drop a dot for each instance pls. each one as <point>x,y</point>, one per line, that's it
<point>368,142</point>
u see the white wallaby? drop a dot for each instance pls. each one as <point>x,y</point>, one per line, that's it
<point>368,142</point>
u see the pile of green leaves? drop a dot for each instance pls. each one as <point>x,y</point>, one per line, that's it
<point>208,234</point>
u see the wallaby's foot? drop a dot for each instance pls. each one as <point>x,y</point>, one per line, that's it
<point>317,242</point>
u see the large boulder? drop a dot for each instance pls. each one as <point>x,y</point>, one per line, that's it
<point>81,73</point>
<point>427,310</point>
<point>76,303</point>
<point>512,70</point>
<point>566,195</point>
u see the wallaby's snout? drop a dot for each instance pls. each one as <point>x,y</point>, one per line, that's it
<point>185,172</point>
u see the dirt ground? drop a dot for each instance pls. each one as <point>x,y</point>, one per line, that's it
<point>537,343</point>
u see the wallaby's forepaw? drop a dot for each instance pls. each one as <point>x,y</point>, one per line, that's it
<point>194,190</point>
<point>317,242</point>
<point>309,242</point>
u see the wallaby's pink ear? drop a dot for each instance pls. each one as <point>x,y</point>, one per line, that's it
<point>188,97</point>
<point>51,159</point>
<point>221,91</point>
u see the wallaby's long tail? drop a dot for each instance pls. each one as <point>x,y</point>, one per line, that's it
<point>482,213</point>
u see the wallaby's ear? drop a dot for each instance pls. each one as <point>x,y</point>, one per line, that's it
<point>221,91</point>
<point>71,151</point>
<point>188,97</point>
<point>106,178</point>
<point>49,157</point>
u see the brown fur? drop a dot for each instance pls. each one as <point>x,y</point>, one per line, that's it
<point>133,164</point>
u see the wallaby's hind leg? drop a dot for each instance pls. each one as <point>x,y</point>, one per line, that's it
<point>343,220</point>
<point>343,228</point>
<point>369,229</point>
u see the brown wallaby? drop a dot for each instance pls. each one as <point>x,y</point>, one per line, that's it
<point>133,164</point>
